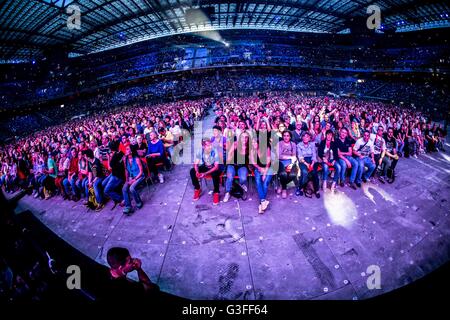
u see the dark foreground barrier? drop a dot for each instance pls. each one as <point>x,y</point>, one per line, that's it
<point>45,268</point>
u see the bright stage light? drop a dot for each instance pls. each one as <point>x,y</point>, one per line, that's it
<point>433,168</point>
<point>446,157</point>
<point>340,208</point>
<point>386,196</point>
<point>431,158</point>
<point>198,20</point>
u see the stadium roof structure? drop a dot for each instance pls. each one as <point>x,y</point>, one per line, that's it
<point>28,27</point>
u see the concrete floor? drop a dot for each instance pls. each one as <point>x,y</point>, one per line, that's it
<point>299,249</point>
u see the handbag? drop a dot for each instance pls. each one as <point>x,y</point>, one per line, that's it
<point>286,163</point>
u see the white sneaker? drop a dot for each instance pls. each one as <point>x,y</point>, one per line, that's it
<point>161,178</point>
<point>260,209</point>
<point>415,156</point>
<point>226,197</point>
<point>244,187</point>
<point>264,205</point>
<point>333,187</point>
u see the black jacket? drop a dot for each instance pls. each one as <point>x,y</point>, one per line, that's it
<point>333,147</point>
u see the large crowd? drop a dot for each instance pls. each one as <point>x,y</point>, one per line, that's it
<point>22,83</point>
<point>192,86</point>
<point>422,97</point>
<point>107,154</point>
<point>300,139</point>
<point>283,137</point>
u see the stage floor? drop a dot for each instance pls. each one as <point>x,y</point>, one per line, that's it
<point>299,249</point>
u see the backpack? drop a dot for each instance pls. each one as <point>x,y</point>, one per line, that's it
<point>237,191</point>
<point>92,201</point>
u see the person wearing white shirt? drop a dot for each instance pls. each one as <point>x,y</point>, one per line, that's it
<point>175,129</point>
<point>364,152</point>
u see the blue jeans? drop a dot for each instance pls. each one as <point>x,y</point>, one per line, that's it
<point>39,181</point>
<point>98,190</point>
<point>231,172</point>
<point>365,162</point>
<point>105,181</point>
<point>110,185</point>
<point>30,181</point>
<point>305,174</point>
<point>263,186</point>
<point>326,170</point>
<point>3,180</point>
<point>401,145</point>
<point>170,151</point>
<point>82,186</point>
<point>72,183</point>
<point>10,183</point>
<point>355,165</point>
<point>127,189</point>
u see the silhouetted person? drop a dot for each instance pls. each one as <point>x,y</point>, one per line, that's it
<point>120,288</point>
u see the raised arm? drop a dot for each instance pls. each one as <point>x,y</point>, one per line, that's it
<point>269,125</point>
<point>143,277</point>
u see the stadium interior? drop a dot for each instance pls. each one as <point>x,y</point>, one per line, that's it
<point>84,81</point>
